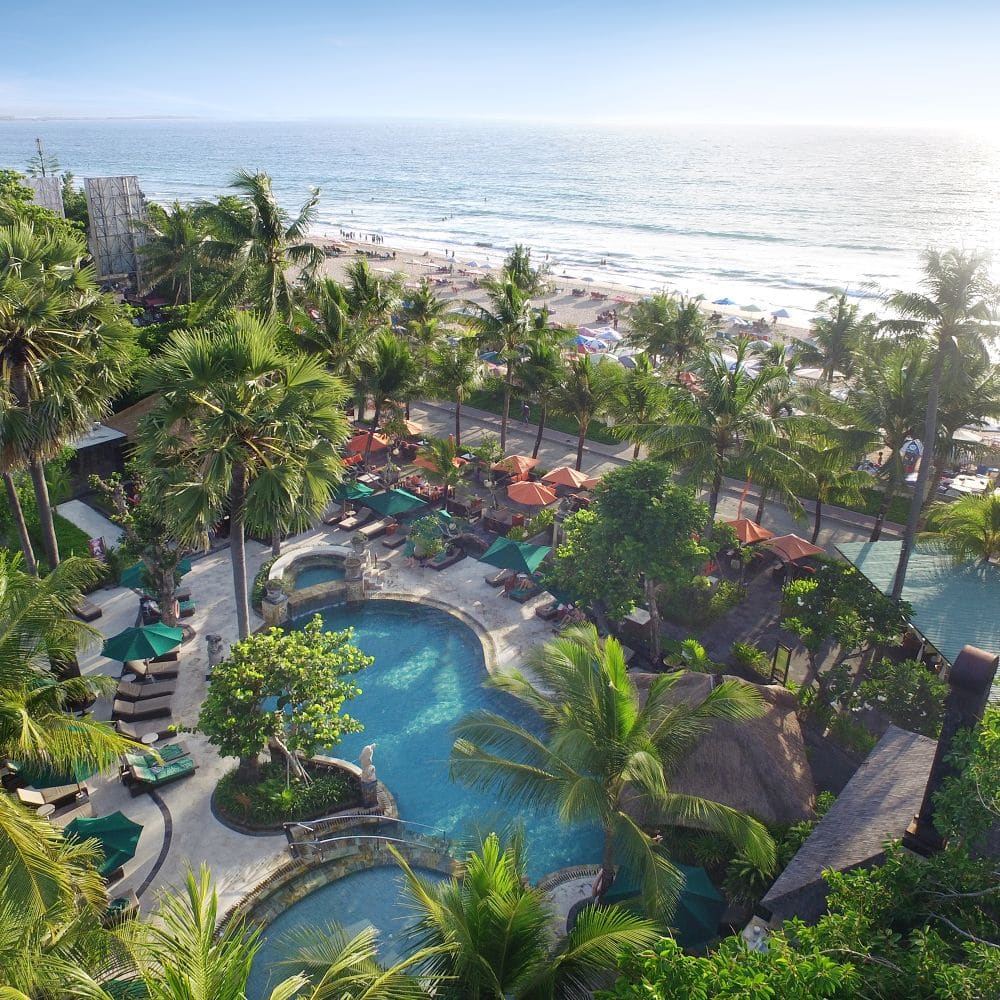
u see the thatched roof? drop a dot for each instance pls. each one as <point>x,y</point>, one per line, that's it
<point>127,420</point>
<point>758,766</point>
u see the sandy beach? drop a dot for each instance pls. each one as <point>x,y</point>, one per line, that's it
<point>458,278</point>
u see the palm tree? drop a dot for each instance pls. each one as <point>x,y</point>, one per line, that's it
<point>838,331</point>
<point>668,329</point>
<point>518,268</point>
<point>455,372</point>
<point>389,374</point>
<point>829,470</point>
<point>599,740</point>
<point>539,373</point>
<point>63,355</point>
<point>968,528</point>
<point>726,420</point>
<point>371,298</point>
<point>504,326</point>
<point>443,466</point>
<point>172,251</point>
<point>257,242</point>
<point>641,398</point>
<point>889,394</point>
<point>954,314</point>
<point>585,393</point>
<point>486,934</point>
<point>242,428</point>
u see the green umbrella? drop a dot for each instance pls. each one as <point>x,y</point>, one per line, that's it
<point>44,776</point>
<point>117,835</point>
<point>394,502</point>
<point>505,553</point>
<point>351,491</point>
<point>143,643</point>
<point>135,575</point>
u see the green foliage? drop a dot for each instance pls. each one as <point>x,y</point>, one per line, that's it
<point>260,582</point>
<point>305,673</point>
<point>750,657</point>
<point>908,693</point>
<point>272,801</point>
<point>699,604</point>
<point>542,521</point>
<point>968,804</point>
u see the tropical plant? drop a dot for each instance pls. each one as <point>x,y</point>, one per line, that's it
<point>838,332</point>
<point>257,243</point>
<point>600,740</point>
<point>829,471</point>
<point>443,466</point>
<point>486,934</point>
<point>172,250</point>
<point>517,267</point>
<point>455,372</point>
<point>371,297</point>
<point>242,428</point>
<point>967,528</point>
<point>640,398</point>
<point>586,391</point>
<point>540,372</point>
<point>389,374</point>
<point>668,329</point>
<point>954,314</point>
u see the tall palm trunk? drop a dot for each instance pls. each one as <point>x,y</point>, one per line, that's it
<point>817,521</point>
<point>508,389</point>
<point>582,437</point>
<point>883,509</point>
<point>276,542</point>
<point>759,516</point>
<point>30,563</point>
<point>376,417</point>
<point>923,474</point>
<point>607,863</point>
<point>635,450</point>
<point>237,547</point>
<point>654,621</point>
<point>48,526</point>
<point>458,419</point>
<point>713,502</point>
<point>542,413</point>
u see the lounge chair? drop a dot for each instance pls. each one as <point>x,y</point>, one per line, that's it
<point>77,810</point>
<point>136,733</point>
<point>524,591</point>
<point>57,795</point>
<point>145,779</point>
<point>133,711</point>
<point>356,521</point>
<point>144,690</point>
<point>499,579</point>
<point>372,529</point>
<point>394,541</point>
<point>186,608</point>
<point>153,670</point>
<point>121,908</point>
<point>445,559</point>
<point>548,612</point>
<point>168,753</point>
<point>87,611</point>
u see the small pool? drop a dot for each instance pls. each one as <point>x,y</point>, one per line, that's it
<point>310,576</point>
<point>366,898</point>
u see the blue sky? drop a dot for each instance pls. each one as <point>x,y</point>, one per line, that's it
<point>877,63</point>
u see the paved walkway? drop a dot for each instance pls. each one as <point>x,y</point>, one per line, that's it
<point>93,522</point>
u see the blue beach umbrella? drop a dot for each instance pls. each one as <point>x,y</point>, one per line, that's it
<point>724,302</point>
<point>780,314</point>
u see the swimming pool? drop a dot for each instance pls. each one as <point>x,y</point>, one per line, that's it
<point>428,673</point>
<point>309,576</point>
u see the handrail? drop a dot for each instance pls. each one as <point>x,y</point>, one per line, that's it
<point>380,817</point>
<point>300,848</point>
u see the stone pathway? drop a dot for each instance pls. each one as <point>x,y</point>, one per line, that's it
<point>93,522</point>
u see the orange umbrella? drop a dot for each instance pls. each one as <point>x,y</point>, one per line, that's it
<point>748,531</point>
<point>412,429</point>
<point>516,464</point>
<point>531,494</point>
<point>426,463</point>
<point>359,443</point>
<point>565,476</point>
<point>791,548</point>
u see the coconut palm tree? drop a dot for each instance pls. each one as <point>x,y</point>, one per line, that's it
<point>64,352</point>
<point>389,374</point>
<point>540,372</point>
<point>954,314</point>
<point>599,741</point>
<point>505,327</point>
<point>371,297</point>
<point>968,528</point>
<point>455,372</point>
<point>838,331</point>
<point>486,933</point>
<point>641,398</point>
<point>172,251</point>
<point>258,242</point>
<point>245,428</point>
<point>517,267</point>
<point>727,419</point>
<point>586,391</point>
<point>443,466</point>
<point>829,471</point>
<point>648,324</point>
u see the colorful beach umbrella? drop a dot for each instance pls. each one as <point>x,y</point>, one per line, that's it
<point>142,643</point>
<point>780,314</point>
<point>791,548</point>
<point>117,836</point>
<point>521,557</point>
<point>394,503</point>
<point>563,475</point>
<point>749,532</point>
<point>531,494</point>
<point>134,575</point>
<point>422,462</point>
<point>517,465</point>
<point>359,443</point>
<point>349,491</point>
<point>724,302</point>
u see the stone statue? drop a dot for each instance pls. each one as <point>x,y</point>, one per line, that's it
<point>215,654</point>
<point>365,759</point>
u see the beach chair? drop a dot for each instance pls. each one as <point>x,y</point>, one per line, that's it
<point>140,758</point>
<point>548,612</point>
<point>133,711</point>
<point>153,670</point>
<point>120,909</point>
<point>76,810</point>
<point>356,521</point>
<point>445,559</point>
<point>144,690</point>
<point>499,579</point>
<point>186,608</point>
<point>145,779</point>
<point>394,541</point>
<point>57,795</point>
<point>87,611</point>
<point>136,733</point>
<point>372,529</point>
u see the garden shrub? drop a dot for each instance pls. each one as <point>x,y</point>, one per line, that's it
<point>751,658</point>
<point>260,583</point>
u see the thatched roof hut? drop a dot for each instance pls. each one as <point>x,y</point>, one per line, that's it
<point>758,766</point>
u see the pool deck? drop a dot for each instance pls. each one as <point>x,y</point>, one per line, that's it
<point>180,831</point>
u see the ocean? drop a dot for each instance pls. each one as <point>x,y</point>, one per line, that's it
<point>776,217</point>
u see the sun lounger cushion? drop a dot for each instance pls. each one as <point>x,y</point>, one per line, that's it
<point>356,521</point>
<point>87,611</point>
<point>168,753</point>
<point>394,541</point>
<point>132,710</point>
<point>144,778</point>
<point>56,795</point>
<point>444,561</point>
<point>153,671</point>
<point>65,816</point>
<point>187,608</point>
<point>373,528</point>
<point>144,690</point>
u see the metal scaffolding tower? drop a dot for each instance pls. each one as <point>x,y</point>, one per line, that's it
<point>48,193</point>
<point>116,205</point>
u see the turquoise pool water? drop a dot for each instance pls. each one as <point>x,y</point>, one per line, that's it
<point>309,576</point>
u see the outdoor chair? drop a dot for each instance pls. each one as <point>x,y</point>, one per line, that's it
<point>87,611</point>
<point>144,690</point>
<point>186,608</point>
<point>499,579</point>
<point>139,758</point>
<point>445,559</point>
<point>153,670</point>
<point>356,521</point>
<point>394,541</point>
<point>57,795</point>
<point>548,612</point>
<point>372,529</point>
<point>75,810</point>
<point>145,779</point>
<point>133,711</point>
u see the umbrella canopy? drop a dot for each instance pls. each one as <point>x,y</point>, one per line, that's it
<point>394,502</point>
<point>516,464</point>
<point>751,308</point>
<point>791,548</point>
<point>724,302</point>
<point>116,834</point>
<point>505,553</point>
<point>351,491</point>
<point>748,531</point>
<point>142,643</point>
<point>699,909</point>
<point>359,443</point>
<point>412,428</point>
<point>133,576</point>
<point>565,476</point>
<point>531,494</point>
<point>422,462</point>
<point>43,776</point>
<point>780,314</point>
